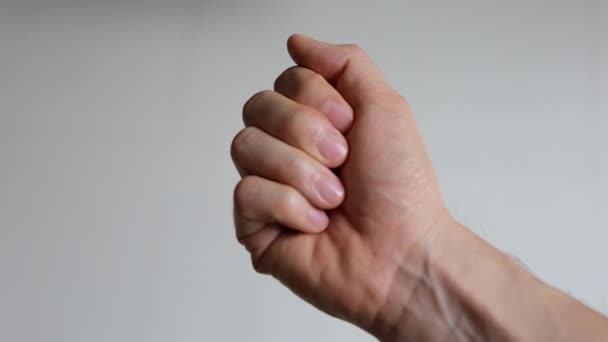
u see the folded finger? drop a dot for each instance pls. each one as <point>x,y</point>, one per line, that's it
<point>259,202</point>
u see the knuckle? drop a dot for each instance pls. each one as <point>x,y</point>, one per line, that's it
<point>286,78</point>
<point>318,132</point>
<point>355,50</point>
<point>250,106</point>
<point>393,99</point>
<point>288,204</point>
<point>401,100</point>
<point>258,265</point>
<point>244,192</point>
<point>296,166</point>
<point>293,123</point>
<point>241,141</point>
<point>296,80</point>
<point>313,78</point>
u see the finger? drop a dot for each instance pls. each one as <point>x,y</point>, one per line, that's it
<point>298,125</point>
<point>311,89</point>
<point>347,67</point>
<point>258,242</point>
<point>259,202</point>
<point>260,154</point>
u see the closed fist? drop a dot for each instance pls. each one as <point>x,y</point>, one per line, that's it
<point>338,196</point>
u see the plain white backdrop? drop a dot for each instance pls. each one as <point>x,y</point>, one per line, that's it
<point>116,181</point>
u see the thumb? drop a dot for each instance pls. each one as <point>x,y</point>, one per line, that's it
<point>346,67</point>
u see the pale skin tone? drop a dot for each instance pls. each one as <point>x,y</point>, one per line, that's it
<point>339,201</point>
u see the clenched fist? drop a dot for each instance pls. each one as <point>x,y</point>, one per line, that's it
<point>340,203</point>
<point>338,239</point>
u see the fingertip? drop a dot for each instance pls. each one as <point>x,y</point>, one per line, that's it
<point>292,42</point>
<point>333,148</point>
<point>319,219</point>
<point>330,191</point>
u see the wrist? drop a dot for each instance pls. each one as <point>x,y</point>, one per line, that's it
<point>414,306</point>
<point>459,287</point>
<point>432,295</point>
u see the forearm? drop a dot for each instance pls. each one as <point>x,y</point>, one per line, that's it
<point>466,290</point>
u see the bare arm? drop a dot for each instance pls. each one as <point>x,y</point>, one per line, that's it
<point>339,202</point>
<point>469,291</point>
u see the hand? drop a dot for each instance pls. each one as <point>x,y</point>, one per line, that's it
<point>340,241</point>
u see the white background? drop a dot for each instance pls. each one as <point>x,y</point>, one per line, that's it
<point>116,181</point>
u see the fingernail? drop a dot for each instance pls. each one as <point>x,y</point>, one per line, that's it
<point>330,190</point>
<point>339,114</point>
<point>318,218</point>
<point>332,147</point>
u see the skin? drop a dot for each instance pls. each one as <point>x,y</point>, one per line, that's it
<point>339,201</point>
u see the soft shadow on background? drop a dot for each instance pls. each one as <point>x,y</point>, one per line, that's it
<point>116,181</point>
